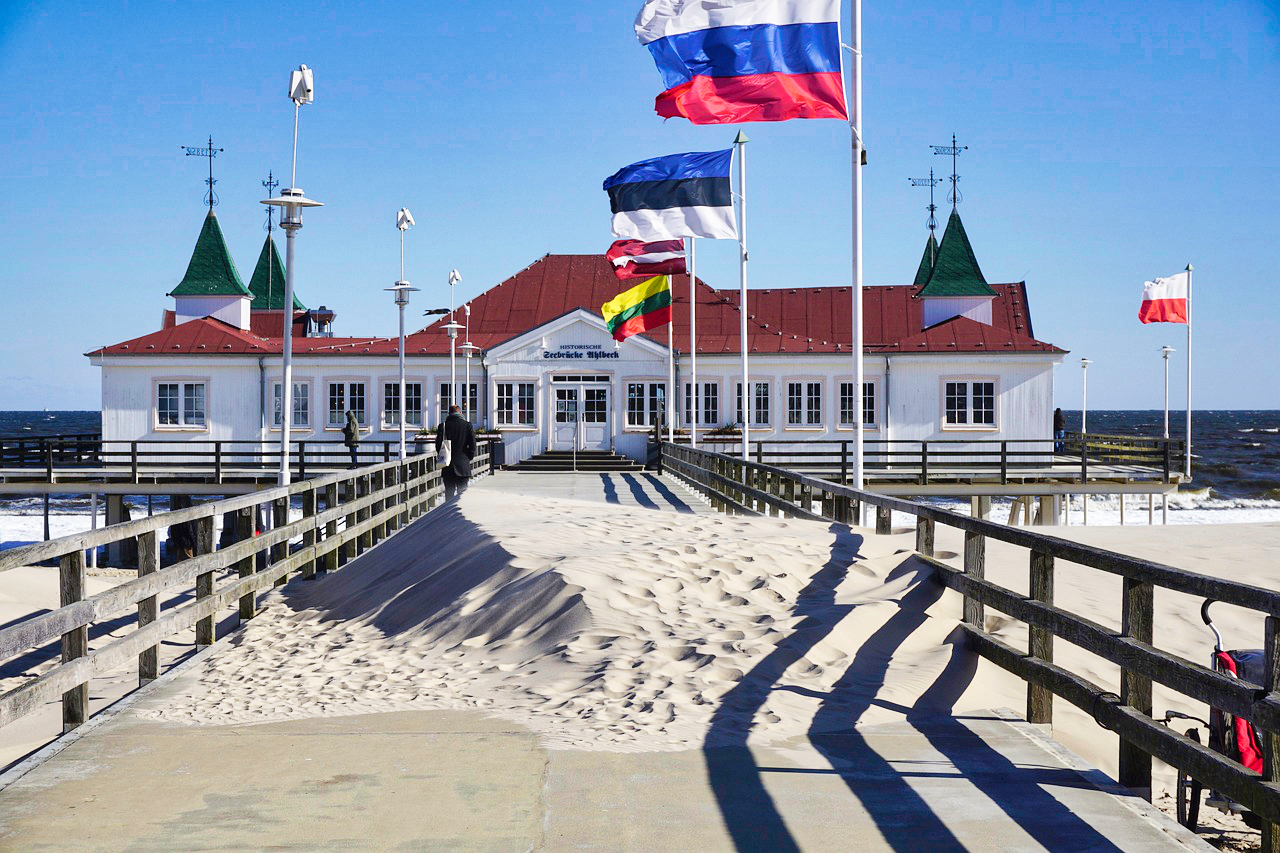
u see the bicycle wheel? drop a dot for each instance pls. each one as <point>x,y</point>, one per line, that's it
<point>1188,796</point>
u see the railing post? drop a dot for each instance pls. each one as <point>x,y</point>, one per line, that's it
<point>1084,460</point>
<point>330,561</point>
<point>133,460</point>
<point>311,534</point>
<point>1040,640</point>
<point>204,581</point>
<point>1004,463</point>
<point>378,483</point>
<point>924,536</point>
<point>1135,689</point>
<point>1167,453</point>
<point>149,607</point>
<point>302,460</point>
<point>244,523</point>
<point>975,558</point>
<point>75,643</point>
<point>1271,741</point>
<point>844,463</point>
<point>884,521</point>
<point>48,461</point>
<point>280,551</point>
<point>924,463</point>
<point>217,461</point>
<point>365,539</point>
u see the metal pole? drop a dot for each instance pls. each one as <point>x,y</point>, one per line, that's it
<point>855,127</point>
<point>93,525</point>
<point>1166,351</point>
<point>286,382</point>
<point>671,374</point>
<point>466,384</point>
<point>695,398</point>
<point>402,400</point>
<point>453,349</point>
<point>1188,456</point>
<point>741,142</point>
<point>1084,396</point>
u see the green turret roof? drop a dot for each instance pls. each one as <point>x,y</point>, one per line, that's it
<point>955,271</point>
<point>269,295</point>
<point>926,262</point>
<point>211,271</point>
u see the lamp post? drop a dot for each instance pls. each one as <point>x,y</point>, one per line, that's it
<point>434,312</point>
<point>291,201</point>
<point>401,289</point>
<point>467,349</point>
<point>1165,350</point>
<point>452,328</point>
<point>1084,394</point>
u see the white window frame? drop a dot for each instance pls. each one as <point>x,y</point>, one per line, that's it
<point>648,413</point>
<point>714,387</point>
<point>389,420</point>
<point>969,381</point>
<point>869,426</point>
<point>515,382</point>
<point>755,398</point>
<point>346,382</point>
<point>183,382</point>
<point>276,393</point>
<point>805,383</point>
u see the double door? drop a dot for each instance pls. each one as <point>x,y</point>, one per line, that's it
<point>580,417</point>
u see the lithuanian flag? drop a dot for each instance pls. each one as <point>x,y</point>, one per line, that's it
<point>645,306</point>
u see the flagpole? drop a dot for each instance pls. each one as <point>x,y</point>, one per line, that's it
<point>855,127</point>
<point>693,344</point>
<point>671,371</point>
<point>1187,462</point>
<point>741,141</point>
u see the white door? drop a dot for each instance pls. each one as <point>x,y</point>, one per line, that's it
<point>564,425</point>
<point>595,418</point>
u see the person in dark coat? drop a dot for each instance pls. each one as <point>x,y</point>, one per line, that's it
<point>462,447</point>
<point>351,435</point>
<point>1059,431</point>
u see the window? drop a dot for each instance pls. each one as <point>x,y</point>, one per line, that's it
<point>344,397</point>
<point>412,404</point>
<point>710,403</point>
<point>446,398</point>
<point>515,403</point>
<point>970,403</point>
<point>804,403</point>
<point>646,403</point>
<point>759,403</point>
<point>595,405</point>
<point>868,404</point>
<point>180,404</point>
<point>301,404</point>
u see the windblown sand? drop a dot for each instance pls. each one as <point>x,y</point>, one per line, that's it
<point>603,627</point>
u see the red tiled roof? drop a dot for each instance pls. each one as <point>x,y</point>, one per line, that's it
<point>802,319</point>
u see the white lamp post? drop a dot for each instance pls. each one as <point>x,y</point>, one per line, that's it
<point>467,349</point>
<point>291,201</point>
<point>452,328</point>
<point>1165,352</point>
<point>401,289</point>
<point>1084,394</point>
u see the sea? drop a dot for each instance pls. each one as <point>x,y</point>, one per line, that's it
<point>1235,473</point>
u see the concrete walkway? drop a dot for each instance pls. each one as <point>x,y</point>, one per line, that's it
<point>451,780</point>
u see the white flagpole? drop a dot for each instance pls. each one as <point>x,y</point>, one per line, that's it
<point>741,141</point>
<point>1187,463</point>
<point>856,128</point>
<point>671,371</point>
<point>695,398</point>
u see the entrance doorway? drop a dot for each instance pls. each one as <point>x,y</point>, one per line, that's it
<point>580,413</point>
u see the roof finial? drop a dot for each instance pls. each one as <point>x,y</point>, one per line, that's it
<point>270,183</point>
<point>210,198</point>
<point>954,196</point>
<point>930,182</point>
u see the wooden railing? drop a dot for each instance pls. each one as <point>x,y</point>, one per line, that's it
<point>754,488</point>
<point>212,457</point>
<point>933,460</point>
<point>343,515</point>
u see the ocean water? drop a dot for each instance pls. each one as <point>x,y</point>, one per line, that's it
<point>1235,473</point>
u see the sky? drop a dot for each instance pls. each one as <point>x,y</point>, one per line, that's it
<point>1108,143</point>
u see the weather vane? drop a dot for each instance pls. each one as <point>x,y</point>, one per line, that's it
<point>210,198</point>
<point>270,183</point>
<point>929,182</point>
<point>954,197</point>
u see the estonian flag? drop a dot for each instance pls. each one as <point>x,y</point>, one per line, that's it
<point>746,60</point>
<point>680,195</point>
<point>633,259</point>
<point>645,306</point>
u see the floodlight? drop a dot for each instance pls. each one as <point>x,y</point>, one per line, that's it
<point>301,86</point>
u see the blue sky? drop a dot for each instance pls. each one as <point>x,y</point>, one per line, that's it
<point>1108,142</point>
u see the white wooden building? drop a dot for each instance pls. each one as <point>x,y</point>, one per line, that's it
<point>946,357</point>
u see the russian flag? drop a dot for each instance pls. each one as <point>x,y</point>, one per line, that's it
<point>1165,299</point>
<point>748,60</point>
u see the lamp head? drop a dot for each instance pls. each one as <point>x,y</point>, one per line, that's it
<point>454,277</point>
<point>404,219</point>
<point>1165,350</point>
<point>302,86</point>
<point>1084,363</point>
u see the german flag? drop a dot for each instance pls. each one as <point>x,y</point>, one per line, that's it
<point>645,306</point>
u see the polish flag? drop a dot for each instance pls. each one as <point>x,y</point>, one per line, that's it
<point>1165,299</point>
<point>637,259</point>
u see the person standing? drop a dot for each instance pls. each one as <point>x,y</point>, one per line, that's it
<point>1059,431</point>
<point>351,435</point>
<point>462,447</point>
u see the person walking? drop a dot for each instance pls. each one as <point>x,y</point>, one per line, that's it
<point>1059,431</point>
<point>462,447</point>
<point>351,435</point>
